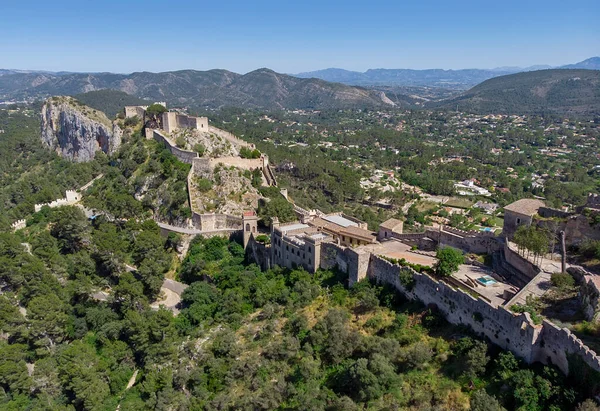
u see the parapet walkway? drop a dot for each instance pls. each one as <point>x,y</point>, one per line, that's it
<point>194,231</point>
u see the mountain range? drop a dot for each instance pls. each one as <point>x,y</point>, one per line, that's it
<point>451,79</point>
<point>213,88</point>
<point>568,90</point>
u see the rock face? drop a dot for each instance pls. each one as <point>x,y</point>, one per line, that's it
<point>76,131</point>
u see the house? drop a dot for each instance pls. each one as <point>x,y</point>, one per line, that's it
<point>488,208</point>
<point>519,213</point>
<point>388,228</point>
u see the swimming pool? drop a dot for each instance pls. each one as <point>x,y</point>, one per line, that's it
<point>487,280</point>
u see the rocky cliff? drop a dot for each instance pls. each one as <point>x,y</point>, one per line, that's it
<point>76,131</point>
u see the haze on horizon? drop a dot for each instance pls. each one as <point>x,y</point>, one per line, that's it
<point>124,37</point>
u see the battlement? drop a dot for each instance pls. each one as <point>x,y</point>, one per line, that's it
<point>514,332</point>
<point>19,225</point>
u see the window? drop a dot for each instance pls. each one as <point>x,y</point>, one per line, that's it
<point>518,220</point>
<point>385,234</point>
<point>309,250</point>
<point>247,227</point>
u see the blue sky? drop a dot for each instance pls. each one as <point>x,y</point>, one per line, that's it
<point>125,36</point>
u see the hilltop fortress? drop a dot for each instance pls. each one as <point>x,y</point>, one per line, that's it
<point>224,153</point>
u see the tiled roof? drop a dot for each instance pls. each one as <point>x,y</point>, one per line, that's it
<point>357,232</point>
<point>390,224</point>
<point>526,206</point>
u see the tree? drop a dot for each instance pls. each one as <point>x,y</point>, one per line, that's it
<point>449,259</point>
<point>155,110</point>
<point>70,228</point>
<point>48,320</point>
<point>482,401</point>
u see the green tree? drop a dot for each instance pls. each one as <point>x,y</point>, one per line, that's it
<point>70,228</point>
<point>449,259</point>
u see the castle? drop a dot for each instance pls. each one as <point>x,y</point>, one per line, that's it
<point>317,240</point>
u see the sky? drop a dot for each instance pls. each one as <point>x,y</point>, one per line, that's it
<point>294,36</point>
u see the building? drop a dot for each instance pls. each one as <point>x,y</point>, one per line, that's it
<point>344,230</point>
<point>488,208</point>
<point>520,212</point>
<point>388,228</point>
<point>173,121</point>
<point>297,245</point>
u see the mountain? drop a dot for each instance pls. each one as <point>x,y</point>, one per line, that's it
<point>213,88</point>
<point>110,102</point>
<point>449,79</point>
<point>559,91</point>
<point>589,64</point>
<point>76,131</point>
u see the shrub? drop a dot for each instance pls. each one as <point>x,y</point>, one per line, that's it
<point>562,280</point>
<point>200,149</point>
<point>204,185</point>
<point>262,238</point>
<point>180,142</point>
<point>131,121</point>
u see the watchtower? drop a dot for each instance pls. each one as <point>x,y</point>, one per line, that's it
<point>250,225</point>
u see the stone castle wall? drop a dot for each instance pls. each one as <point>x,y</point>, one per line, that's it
<point>520,263</point>
<point>19,225</point>
<point>517,333</point>
<point>182,155</point>
<point>71,197</point>
<point>212,222</point>
<point>589,292</point>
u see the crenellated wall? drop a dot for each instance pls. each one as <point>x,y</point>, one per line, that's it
<point>514,332</point>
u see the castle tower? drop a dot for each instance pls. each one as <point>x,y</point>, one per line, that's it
<point>250,225</point>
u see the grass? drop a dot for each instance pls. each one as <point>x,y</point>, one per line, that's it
<point>459,202</point>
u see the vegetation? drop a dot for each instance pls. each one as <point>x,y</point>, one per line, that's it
<point>111,102</point>
<point>533,240</point>
<point>449,259</point>
<point>245,152</point>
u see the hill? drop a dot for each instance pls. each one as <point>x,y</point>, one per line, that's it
<point>449,79</point>
<point>589,64</point>
<point>110,102</point>
<point>572,92</point>
<point>213,88</point>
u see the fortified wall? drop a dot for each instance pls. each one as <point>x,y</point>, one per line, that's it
<point>182,155</point>
<point>514,332</point>
<point>71,197</point>
<point>589,292</point>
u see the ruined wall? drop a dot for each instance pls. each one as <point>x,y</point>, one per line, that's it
<point>589,292</point>
<point>517,333</point>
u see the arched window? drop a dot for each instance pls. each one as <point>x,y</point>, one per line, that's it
<point>253,229</point>
<point>247,227</point>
